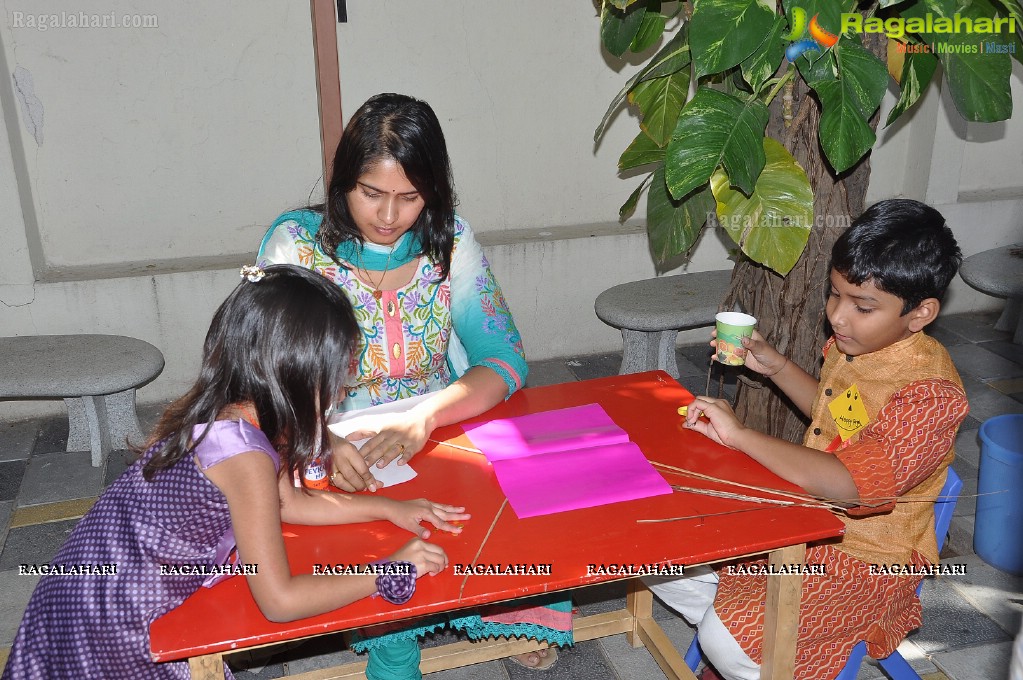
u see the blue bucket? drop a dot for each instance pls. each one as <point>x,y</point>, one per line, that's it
<point>997,533</point>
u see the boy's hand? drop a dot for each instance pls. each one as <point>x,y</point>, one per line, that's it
<point>761,357</point>
<point>719,422</point>
<point>409,514</point>
<point>428,558</point>
<point>349,472</point>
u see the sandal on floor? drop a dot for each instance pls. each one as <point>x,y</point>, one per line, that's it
<point>546,662</point>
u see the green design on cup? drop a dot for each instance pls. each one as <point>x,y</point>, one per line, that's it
<point>732,327</point>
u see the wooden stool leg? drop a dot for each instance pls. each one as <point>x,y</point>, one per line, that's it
<point>781,615</point>
<point>210,667</point>
<point>639,603</point>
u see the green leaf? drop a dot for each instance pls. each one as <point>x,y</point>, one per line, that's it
<point>844,133</point>
<point>1014,9</point>
<point>673,57</point>
<point>773,224</point>
<point>763,63</point>
<point>674,226</point>
<point>642,151</point>
<point>978,82</point>
<point>724,32</point>
<point>713,129</point>
<point>659,101</point>
<point>629,206</point>
<point>649,32</point>
<point>621,4</point>
<point>847,102</point>
<point>818,70</point>
<point>865,75</point>
<point>917,71</point>
<point>618,28</point>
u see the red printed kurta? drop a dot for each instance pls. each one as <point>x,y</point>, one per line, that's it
<point>903,406</point>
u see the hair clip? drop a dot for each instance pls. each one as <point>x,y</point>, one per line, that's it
<point>252,273</point>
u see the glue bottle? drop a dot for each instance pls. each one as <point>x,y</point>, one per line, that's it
<point>315,474</point>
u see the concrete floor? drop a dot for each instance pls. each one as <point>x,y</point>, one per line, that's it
<point>969,621</point>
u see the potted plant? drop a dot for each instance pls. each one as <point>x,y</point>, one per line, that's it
<point>772,140</point>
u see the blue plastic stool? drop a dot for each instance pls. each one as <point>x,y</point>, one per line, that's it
<point>893,664</point>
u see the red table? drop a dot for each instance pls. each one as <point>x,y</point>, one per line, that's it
<point>223,619</point>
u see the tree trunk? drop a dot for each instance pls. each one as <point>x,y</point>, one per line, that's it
<point>790,309</point>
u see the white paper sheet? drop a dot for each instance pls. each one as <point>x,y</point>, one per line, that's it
<point>372,419</point>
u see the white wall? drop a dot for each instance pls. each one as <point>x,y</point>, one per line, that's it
<point>971,172</point>
<point>165,151</point>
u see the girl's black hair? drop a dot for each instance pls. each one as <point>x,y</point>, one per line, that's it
<point>904,247</point>
<point>282,343</point>
<point>398,127</point>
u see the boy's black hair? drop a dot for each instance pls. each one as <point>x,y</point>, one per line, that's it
<point>903,246</point>
<point>282,343</point>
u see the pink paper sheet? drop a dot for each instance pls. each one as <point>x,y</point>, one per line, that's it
<point>565,459</point>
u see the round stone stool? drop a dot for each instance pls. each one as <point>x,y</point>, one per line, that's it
<point>95,375</point>
<point>651,312</point>
<point>999,272</point>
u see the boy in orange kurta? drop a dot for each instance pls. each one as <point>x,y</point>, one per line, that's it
<point>884,416</point>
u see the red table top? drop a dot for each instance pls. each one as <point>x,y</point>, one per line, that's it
<point>225,617</point>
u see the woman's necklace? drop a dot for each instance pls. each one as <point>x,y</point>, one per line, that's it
<point>377,294</point>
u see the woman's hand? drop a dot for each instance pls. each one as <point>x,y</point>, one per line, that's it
<point>350,472</point>
<point>428,558</point>
<point>401,439</point>
<point>410,514</point>
<point>718,421</point>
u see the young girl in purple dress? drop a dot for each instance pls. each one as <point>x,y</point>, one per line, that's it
<point>214,486</point>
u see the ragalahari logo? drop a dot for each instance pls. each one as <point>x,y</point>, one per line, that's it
<point>819,40</point>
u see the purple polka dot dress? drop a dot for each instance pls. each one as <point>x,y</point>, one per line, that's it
<point>97,625</point>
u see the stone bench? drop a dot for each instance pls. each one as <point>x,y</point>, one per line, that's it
<point>95,375</point>
<point>999,272</point>
<point>650,313</point>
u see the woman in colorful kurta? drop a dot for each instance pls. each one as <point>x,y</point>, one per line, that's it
<point>432,316</point>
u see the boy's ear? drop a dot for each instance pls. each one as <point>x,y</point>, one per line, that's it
<point>923,314</point>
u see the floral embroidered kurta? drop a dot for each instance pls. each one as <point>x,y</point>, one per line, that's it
<point>418,339</point>
<point>422,336</point>
<point>913,402</point>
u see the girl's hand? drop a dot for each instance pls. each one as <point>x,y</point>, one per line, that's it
<point>720,423</point>
<point>400,439</point>
<point>428,558</point>
<point>349,472</point>
<point>409,514</point>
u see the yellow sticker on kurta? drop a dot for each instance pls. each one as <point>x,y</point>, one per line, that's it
<point>849,413</point>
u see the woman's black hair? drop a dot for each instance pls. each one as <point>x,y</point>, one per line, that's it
<point>904,247</point>
<point>282,343</point>
<point>406,130</point>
